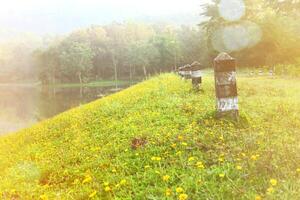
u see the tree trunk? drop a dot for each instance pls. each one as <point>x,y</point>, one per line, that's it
<point>115,70</point>
<point>80,78</point>
<point>130,66</point>
<point>145,71</point>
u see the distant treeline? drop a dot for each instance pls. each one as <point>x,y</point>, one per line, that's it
<point>266,35</point>
<point>119,51</point>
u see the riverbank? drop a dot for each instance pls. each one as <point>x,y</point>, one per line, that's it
<point>160,140</point>
<point>101,83</point>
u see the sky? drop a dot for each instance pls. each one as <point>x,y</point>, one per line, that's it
<point>65,15</point>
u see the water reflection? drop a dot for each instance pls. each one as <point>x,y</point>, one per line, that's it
<point>22,106</point>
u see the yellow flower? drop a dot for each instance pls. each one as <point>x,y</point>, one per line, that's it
<point>174,145</point>
<point>254,157</point>
<point>257,197</point>
<point>270,190</point>
<point>76,181</point>
<point>93,194</point>
<point>298,170</point>
<point>221,138</point>
<point>221,159</point>
<point>180,137</point>
<point>273,182</point>
<point>156,158</point>
<point>221,175</point>
<point>168,192</point>
<point>200,165</point>
<point>238,167</point>
<point>184,144</point>
<point>106,183</point>
<point>179,190</point>
<point>166,178</point>
<point>87,179</point>
<point>44,197</point>
<point>191,159</point>
<point>123,182</point>
<point>114,170</point>
<point>183,197</point>
<point>107,189</point>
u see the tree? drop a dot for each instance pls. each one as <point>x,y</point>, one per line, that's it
<point>76,59</point>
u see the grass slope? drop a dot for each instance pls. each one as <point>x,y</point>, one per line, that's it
<point>87,152</point>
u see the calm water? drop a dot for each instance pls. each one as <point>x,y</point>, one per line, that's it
<point>22,106</point>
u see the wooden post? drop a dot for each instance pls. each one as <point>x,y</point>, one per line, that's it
<point>185,71</point>
<point>226,89</point>
<point>181,72</point>
<point>196,75</point>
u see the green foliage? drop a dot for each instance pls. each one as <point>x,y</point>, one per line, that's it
<point>119,50</point>
<point>278,22</point>
<point>76,59</point>
<point>88,152</point>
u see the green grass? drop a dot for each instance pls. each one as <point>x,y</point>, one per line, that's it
<point>87,152</point>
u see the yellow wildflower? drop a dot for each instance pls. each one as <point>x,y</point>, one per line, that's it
<point>184,144</point>
<point>257,197</point>
<point>44,197</point>
<point>114,170</point>
<point>221,159</point>
<point>93,194</point>
<point>166,178</point>
<point>156,158</point>
<point>238,167</point>
<point>270,190</point>
<point>168,192</point>
<point>221,175</point>
<point>87,179</point>
<point>174,145</point>
<point>179,190</point>
<point>200,165</point>
<point>298,170</point>
<point>107,189</point>
<point>191,159</point>
<point>76,181</point>
<point>180,137</point>
<point>254,157</point>
<point>123,182</point>
<point>183,197</point>
<point>106,183</point>
<point>273,182</point>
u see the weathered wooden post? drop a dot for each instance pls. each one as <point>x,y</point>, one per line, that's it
<point>181,72</point>
<point>196,75</point>
<point>187,71</point>
<point>225,83</point>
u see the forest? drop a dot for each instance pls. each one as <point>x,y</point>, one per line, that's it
<point>266,36</point>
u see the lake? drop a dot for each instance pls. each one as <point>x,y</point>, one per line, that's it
<point>24,105</point>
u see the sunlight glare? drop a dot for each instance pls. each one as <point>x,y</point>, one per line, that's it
<point>232,10</point>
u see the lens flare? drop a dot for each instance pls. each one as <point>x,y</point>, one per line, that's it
<point>254,32</point>
<point>217,41</point>
<point>236,37</point>
<point>232,10</point>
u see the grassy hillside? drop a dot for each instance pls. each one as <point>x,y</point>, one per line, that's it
<point>159,140</point>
